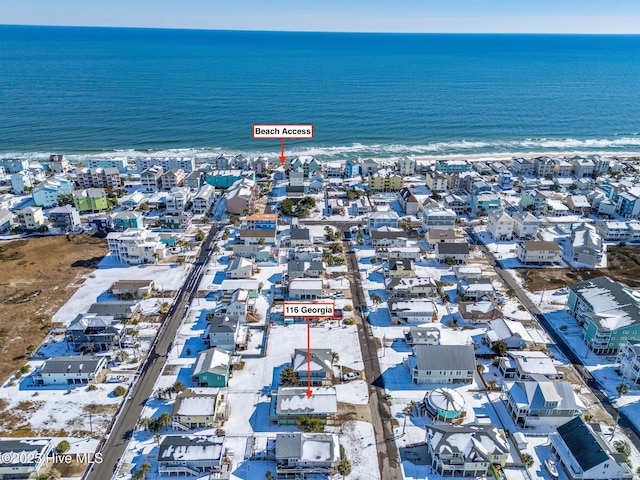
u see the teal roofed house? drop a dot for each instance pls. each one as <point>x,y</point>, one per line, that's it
<point>212,368</point>
<point>609,312</point>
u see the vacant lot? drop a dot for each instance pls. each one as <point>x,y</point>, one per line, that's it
<point>623,265</point>
<point>37,276</point>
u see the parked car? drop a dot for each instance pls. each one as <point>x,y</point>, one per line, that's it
<point>347,377</point>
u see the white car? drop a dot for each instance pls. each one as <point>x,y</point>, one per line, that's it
<point>347,377</point>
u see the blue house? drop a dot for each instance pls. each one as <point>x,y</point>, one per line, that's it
<point>124,220</point>
<point>352,167</point>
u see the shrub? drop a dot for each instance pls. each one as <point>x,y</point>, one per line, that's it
<point>349,321</point>
<point>63,447</point>
<point>25,369</point>
<point>309,424</point>
<point>119,391</point>
<point>348,308</point>
<point>92,388</point>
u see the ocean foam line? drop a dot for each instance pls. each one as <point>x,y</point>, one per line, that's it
<point>628,145</point>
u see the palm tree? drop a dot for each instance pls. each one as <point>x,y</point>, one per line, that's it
<point>178,387</point>
<point>145,422</point>
<point>157,438</point>
<point>144,468</point>
<point>375,298</point>
<point>164,419</point>
<point>289,377</point>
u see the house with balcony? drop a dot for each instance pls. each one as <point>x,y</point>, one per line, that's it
<point>456,203</point>
<point>584,454</point>
<point>212,368</point>
<point>172,178</point>
<point>46,194</point>
<point>523,364</point>
<point>480,311</point>
<point>31,218</point>
<point>69,370</point>
<point>385,181</point>
<point>386,238</point>
<point>422,336</point>
<point>262,221</point>
<point>23,458</point>
<point>441,364</point>
<point>442,236</point>
<point>306,455</point>
<point>485,202</point>
<point>242,196</point>
<point>399,267</point>
<point>582,167</point>
<point>612,231</point>
<point>586,245</point>
<point>475,289</point>
<point>578,204</point>
<point>458,252</point>
<point>608,311</point>
<point>178,199</point>
<point>409,287</point>
<point>453,166</point>
<point>98,177</point>
<point>240,267</point>
<point>128,219</point>
<point>533,200</point>
<point>541,402</point>
<point>175,221</point>
<point>412,311</point>
<point>151,178</point>
<point>224,332</point>
<point>437,182</point>
<point>300,237</point>
<point>543,166</point>
<point>438,218</point>
<point>191,455</point>
<point>198,408</point>
<point>628,361</point>
<point>136,246</point>
<point>525,225</point>
<point>306,164</point>
<point>500,225</point>
<point>306,289</point>
<point>538,253</point>
<point>290,403</point>
<point>321,366</point>
<point>204,199</point>
<point>466,450</point>
<point>64,218</point>
<point>92,333</point>
<point>512,332</point>
<point>384,218</point>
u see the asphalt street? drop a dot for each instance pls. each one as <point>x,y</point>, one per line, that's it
<point>114,447</point>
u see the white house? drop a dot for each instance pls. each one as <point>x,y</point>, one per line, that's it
<point>441,364</point>
<point>306,289</point>
<point>69,370</point>
<point>525,225</point>
<point>414,311</point>
<point>190,454</point>
<point>538,253</point>
<point>510,331</point>
<point>628,360</point>
<point>584,454</point>
<point>299,455</point>
<point>381,219</point>
<point>240,267</point>
<point>500,225</point>
<point>541,402</point>
<point>136,246</point>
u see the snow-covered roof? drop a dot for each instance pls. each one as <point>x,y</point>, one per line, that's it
<point>190,447</point>
<point>294,401</point>
<point>502,329</point>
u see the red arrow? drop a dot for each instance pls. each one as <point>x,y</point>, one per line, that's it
<point>282,157</point>
<point>309,392</point>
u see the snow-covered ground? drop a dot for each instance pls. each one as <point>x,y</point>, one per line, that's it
<point>165,277</point>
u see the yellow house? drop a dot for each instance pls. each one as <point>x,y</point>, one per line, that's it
<point>386,182</point>
<point>198,410</point>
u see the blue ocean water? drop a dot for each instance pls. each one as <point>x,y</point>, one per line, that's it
<point>75,90</point>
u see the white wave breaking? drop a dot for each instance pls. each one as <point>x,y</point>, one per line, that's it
<point>619,145</point>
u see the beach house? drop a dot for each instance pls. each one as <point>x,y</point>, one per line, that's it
<point>212,368</point>
<point>191,455</point>
<point>441,364</point>
<point>306,455</point>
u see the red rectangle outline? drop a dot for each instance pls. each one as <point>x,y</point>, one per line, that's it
<point>313,130</point>
<point>333,306</point>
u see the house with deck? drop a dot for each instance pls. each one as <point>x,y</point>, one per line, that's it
<point>191,455</point>
<point>302,455</point>
<point>198,408</point>
<point>441,364</point>
<point>541,402</point>
<point>608,311</point>
<point>584,454</point>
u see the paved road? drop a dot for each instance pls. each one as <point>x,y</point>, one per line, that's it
<point>630,430</point>
<point>388,457</point>
<point>115,446</point>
